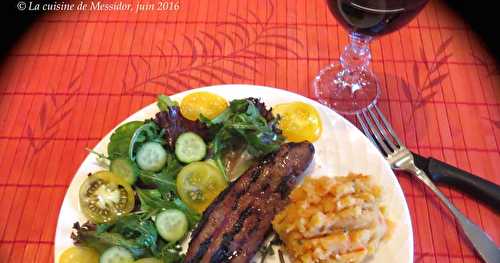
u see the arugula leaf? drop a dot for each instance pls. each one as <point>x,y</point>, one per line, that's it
<point>152,203</point>
<point>98,154</point>
<point>243,119</point>
<point>133,227</point>
<point>88,236</point>
<point>192,217</point>
<point>171,253</point>
<point>169,173</point>
<point>132,232</point>
<point>239,105</point>
<point>164,102</point>
<point>120,139</point>
<point>101,228</point>
<point>166,186</point>
<point>165,179</point>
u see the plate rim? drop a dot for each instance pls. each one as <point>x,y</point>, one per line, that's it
<point>351,126</point>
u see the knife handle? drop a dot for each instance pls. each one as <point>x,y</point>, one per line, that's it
<point>478,187</point>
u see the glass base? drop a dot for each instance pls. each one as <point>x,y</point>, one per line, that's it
<point>346,93</point>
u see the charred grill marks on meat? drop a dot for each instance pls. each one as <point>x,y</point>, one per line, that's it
<point>234,226</point>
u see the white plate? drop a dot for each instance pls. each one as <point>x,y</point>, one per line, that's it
<point>342,148</point>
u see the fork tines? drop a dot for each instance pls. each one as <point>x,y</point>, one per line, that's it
<point>378,130</point>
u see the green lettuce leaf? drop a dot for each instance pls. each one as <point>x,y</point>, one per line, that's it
<point>120,139</point>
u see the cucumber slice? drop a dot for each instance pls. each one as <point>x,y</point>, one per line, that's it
<point>151,157</point>
<point>125,168</point>
<point>171,224</point>
<point>190,147</point>
<point>116,255</point>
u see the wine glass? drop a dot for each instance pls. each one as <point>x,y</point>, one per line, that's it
<point>350,86</point>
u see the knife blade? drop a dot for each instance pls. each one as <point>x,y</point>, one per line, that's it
<point>441,172</point>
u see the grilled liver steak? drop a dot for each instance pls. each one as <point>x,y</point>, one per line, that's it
<point>234,226</point>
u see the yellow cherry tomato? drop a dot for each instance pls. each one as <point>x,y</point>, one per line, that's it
<point>105,196</point>
<point>198,184</point>
<point>299,121</point>
<point>79,255</point>
<point>206,103</point>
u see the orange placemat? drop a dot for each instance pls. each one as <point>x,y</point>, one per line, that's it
<point>76,74</point>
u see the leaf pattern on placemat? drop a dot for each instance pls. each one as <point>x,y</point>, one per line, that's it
<point>213,57</point>
<point>427,89</point>
<point>496,123</point>
<point>52,112</point>
<point>491,69</point>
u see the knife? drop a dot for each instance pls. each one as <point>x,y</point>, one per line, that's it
<point>476,186</point>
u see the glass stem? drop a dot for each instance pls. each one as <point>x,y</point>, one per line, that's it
<point>354,60</point>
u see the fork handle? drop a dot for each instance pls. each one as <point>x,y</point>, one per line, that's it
<point>481,242</point>
<point>478,187</point>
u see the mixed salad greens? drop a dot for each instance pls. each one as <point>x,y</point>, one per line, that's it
<point>163,173</point>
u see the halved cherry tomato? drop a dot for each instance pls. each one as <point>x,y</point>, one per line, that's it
<point>299,121</point>
<point>105,196</point>
<point>206,103</point>
<point>79,255</point>
<point>198,184</point>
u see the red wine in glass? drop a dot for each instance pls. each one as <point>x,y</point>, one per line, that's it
<point>377,17</point>
<point>349,87</point>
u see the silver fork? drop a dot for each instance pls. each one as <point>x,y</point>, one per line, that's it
<point>379,131</point>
